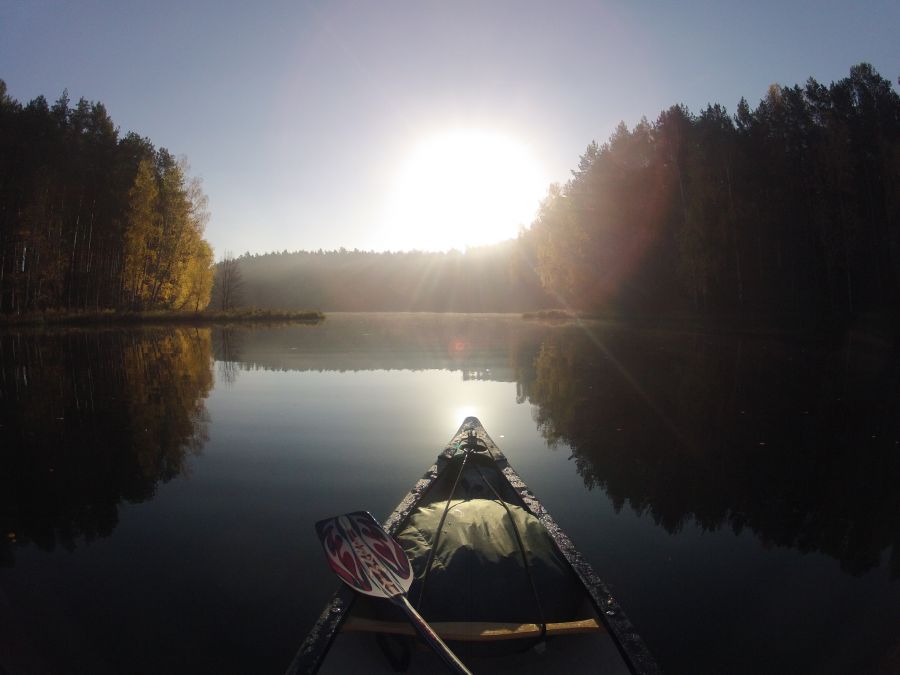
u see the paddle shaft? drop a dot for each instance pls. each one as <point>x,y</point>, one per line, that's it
<point>432,638</point>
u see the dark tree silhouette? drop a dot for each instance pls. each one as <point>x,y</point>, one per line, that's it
<point>228,286</point>
<point>788,209</point>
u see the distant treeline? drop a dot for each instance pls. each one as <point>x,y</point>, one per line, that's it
<point>490,279</point>
<point>89,220</point>
<point>791,208</point>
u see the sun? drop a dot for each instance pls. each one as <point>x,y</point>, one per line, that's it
<point>462,188</point>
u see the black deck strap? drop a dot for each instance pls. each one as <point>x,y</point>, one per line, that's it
<point>437,535</point>
<point>537,600</point>
<point>399,662</point>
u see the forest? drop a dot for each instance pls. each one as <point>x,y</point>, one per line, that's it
<point>90,220</point>
<point>788,209</point>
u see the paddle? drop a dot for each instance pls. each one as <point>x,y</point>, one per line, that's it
<point>370,561</point>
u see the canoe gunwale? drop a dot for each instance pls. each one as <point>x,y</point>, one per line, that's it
<point>620,628</point>
<point>313,650</point>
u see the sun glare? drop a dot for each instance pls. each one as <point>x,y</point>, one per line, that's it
<point>463,188</point>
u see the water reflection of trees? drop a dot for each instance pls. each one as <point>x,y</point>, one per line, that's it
<point>797,442</point>
<point>478,346</point>
<point>91,419</point>
<point>228,343</point>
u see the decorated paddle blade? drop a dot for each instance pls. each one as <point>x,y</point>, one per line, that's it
<point>368,559</point>
<point>364,556</point>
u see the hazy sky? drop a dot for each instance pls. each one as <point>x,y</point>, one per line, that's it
<point>299,116</point>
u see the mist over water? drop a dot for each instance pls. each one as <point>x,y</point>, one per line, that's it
<point>158,487</point>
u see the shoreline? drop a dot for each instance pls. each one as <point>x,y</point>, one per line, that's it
<point>111,317</point>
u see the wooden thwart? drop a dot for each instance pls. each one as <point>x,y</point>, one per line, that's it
<point>474,631</point>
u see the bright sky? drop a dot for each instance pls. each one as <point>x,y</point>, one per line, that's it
<point>383,124</point>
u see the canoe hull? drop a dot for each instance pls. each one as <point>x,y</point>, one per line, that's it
<point>631,650</point>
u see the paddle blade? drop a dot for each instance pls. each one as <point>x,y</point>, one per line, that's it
<point>364,556</point>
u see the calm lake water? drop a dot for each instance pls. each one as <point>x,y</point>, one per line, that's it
<point>158,487</point>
